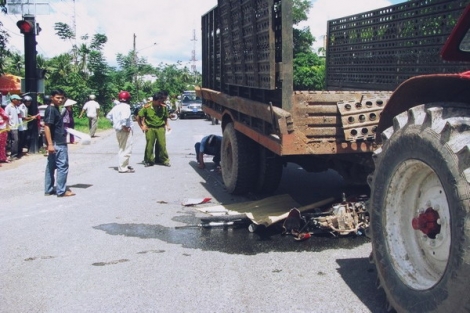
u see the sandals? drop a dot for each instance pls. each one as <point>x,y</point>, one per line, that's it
<point>68,193</point>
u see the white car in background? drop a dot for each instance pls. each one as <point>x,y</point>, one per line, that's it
<point>191,106</point>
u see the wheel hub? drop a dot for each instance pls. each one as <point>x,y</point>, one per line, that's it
<point>417,225</point>
<point>427,222</point>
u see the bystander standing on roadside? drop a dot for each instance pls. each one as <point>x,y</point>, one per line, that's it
<point>3,101</point>
<point>27,125</point>
<point>3,136</point>
<point>120,116</point>
<point>23,111</point>
<point>153,120</point>
<point>13,113</point>
<point>40,120</point>
<point>57,150</point>
<point>67,117</point>
<point>92,109</point>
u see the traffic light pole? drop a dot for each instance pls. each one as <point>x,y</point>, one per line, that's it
<point>31,85</point>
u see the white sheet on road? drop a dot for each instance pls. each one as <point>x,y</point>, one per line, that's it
<point>85,139</point>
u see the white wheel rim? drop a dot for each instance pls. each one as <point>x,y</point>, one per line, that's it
<point>418,260</point>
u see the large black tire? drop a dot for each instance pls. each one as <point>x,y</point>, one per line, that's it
<point>269,172</point>
<point>424,164</point>
<point>238,161</point>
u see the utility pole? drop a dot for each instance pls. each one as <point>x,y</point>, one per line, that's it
<point>193,53</point>
<point>74,48</point>
<point>135,71</point>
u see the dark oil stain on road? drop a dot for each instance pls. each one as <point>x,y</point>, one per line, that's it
<point>110,262</point>
<point>231,240</point>
<point>40,257</point>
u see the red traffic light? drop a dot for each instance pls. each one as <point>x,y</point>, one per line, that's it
<point>26,27</point>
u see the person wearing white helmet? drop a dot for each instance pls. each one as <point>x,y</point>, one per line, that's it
<point>92,109</point>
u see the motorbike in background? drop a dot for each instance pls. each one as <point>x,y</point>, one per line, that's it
<point>173,114</point>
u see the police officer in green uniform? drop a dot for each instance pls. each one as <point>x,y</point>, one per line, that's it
<point>153,120</point>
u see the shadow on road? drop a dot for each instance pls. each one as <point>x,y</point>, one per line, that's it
<point>360,274</point>
<point>304,187</point>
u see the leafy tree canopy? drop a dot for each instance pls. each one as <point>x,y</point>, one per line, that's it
<point>300,10</point>
<point>308,67</point>
<point>4,52</point>
<point>64,31</point>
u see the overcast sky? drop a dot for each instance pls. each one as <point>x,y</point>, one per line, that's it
<point>171,24</point>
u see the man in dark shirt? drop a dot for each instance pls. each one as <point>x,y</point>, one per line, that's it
<point>57,151</point>
<point>209,145</point>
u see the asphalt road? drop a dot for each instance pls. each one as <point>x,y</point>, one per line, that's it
<point>117,246</point>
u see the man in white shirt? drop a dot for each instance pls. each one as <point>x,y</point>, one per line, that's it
<point>92,109</point>
<point>120,116</point>
<point>15,119</point>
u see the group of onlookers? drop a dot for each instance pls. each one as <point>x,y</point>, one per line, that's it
<point>16,128</point>
<point>152,119</point>
<point>16,123</point>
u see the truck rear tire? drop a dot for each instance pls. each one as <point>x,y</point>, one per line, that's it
<point>419,208</point>
<point>270,171</point>
<point>239,167</point>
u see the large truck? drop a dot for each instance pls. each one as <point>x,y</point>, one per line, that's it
<point>407,136</point>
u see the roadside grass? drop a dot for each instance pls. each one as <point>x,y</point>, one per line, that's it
<point>81,124</point>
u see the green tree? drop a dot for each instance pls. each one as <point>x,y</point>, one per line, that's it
<point>175,78</point>
<point>14,63</point>
<point>61,67</point>
<point>303,40</point>
<point>300,9</point>
<point>308,67</point>
<point>99,80</point>
<point>64,31</point>
<point>309,72</point>
<point>4,52</point>
<point>89,65</point>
